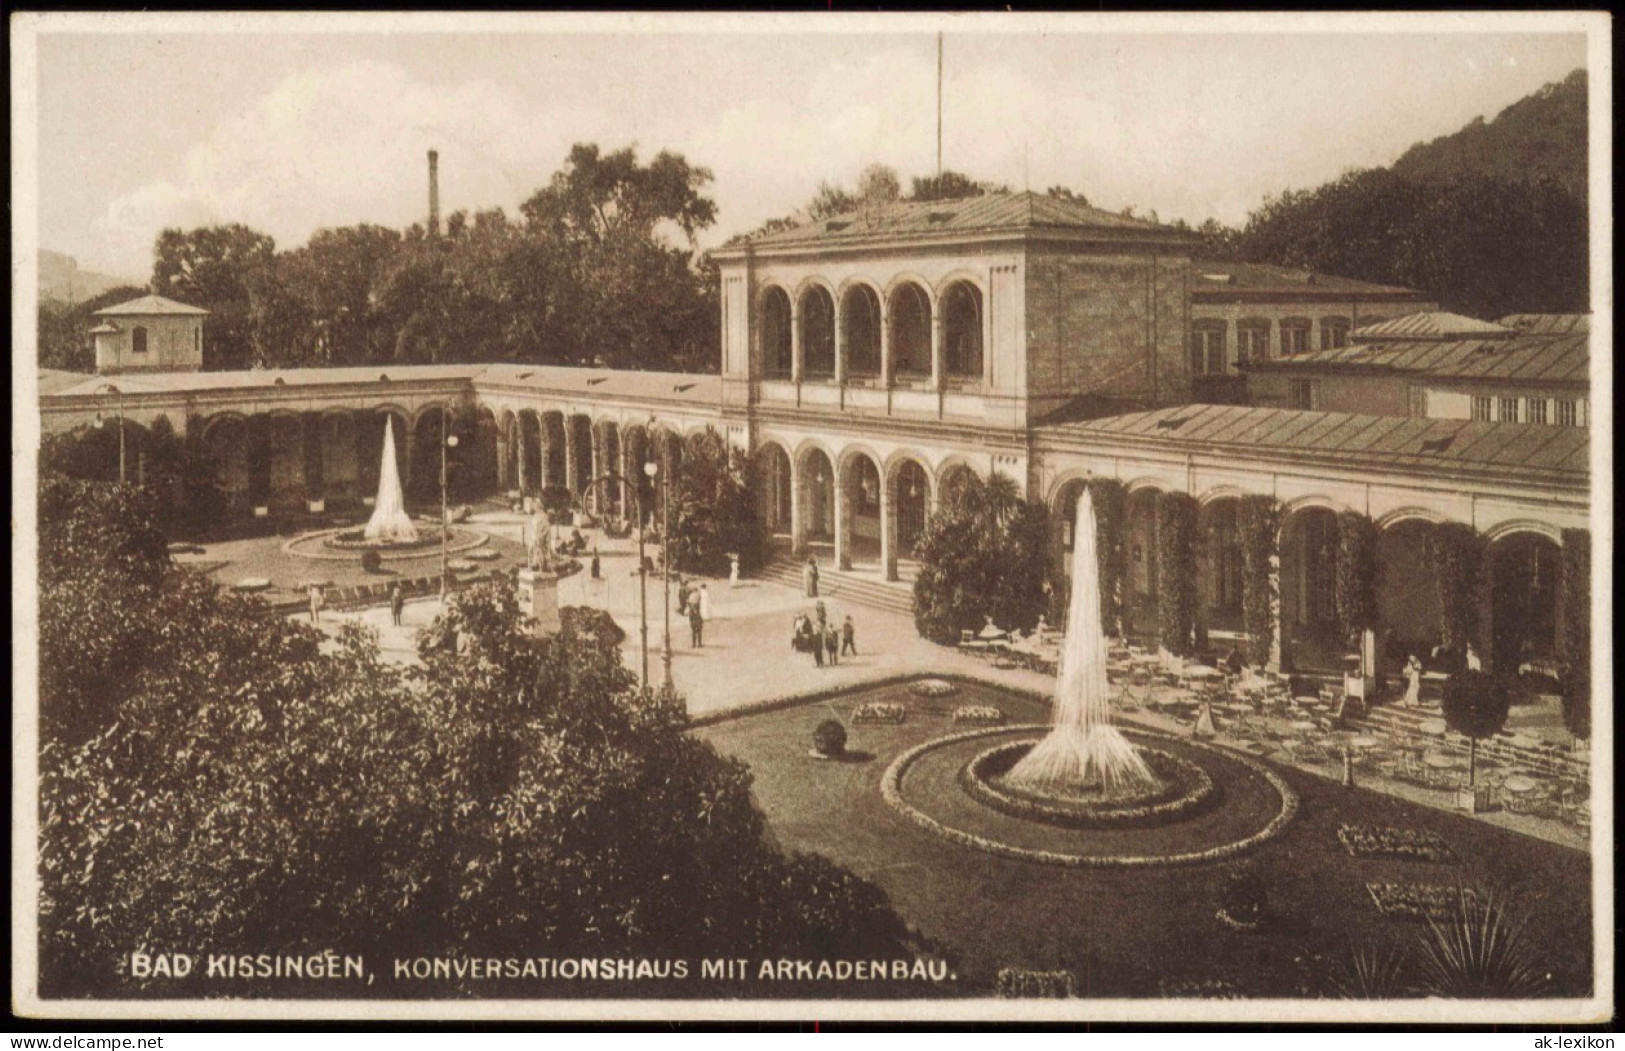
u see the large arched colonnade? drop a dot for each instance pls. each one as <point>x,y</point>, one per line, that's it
<point>284,461</point>
<point>862,507</point>
<point>906,332</point>
<point>543,449</point>
<point>1519,602</point>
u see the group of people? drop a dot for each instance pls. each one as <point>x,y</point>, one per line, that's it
<point>695,604</point>
<point>819,636</point>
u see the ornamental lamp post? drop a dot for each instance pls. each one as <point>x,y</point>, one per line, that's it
<point>449,441</point>
<point>652,469</point>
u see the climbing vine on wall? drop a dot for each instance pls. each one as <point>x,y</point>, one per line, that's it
<point>1176,570</point>
<point>1355,593</point>
<point>1458,562</point>
<point>1576,614</point>
<point>1259,522</point>
<point>1111,499</point>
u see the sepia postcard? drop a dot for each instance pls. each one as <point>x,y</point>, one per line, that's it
<point>1061,518</point>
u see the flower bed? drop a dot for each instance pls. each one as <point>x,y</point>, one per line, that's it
<point>1400,844</point>
<point>978,715</point>
<point>879,712</point>
<point>1420,901</point>
<point>933,688</point>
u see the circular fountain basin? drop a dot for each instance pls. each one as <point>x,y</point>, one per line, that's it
<point>1213,804</point>
<point>343,545</point>
<point>1182,787</point>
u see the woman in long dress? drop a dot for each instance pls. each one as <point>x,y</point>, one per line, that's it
<point>1413,682</point>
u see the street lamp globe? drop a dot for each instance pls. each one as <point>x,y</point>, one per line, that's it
<point>651,468</point>
<point>451,440</point>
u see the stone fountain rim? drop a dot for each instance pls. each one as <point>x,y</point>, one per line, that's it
<point>1159,808</point>
<point>461,540</point>
<point>891,790</point>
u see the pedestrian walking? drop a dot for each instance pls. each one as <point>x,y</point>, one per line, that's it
<point>397,602</point>
<point>696,625</point>
<point>317,601</point>
<point>733,571</point>
<point>832,645</point>
<point>822,615</point>
<point>596,565</point>
<point>809,576</point>
<point>847,634</point>
<point>703,600</point>
<point>682,595</point>
<point>815,642</point>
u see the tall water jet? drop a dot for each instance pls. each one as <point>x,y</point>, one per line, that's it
<point>1084,751</point>
<point>389,522</point>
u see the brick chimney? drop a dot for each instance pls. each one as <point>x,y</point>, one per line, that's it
<point>434,193</point>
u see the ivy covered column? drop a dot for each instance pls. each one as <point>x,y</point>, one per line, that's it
<point>1259,522</point>
<point>1176,571</point>
<point>1458,552</point>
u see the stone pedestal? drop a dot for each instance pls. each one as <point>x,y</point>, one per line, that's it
<point>539,599</point>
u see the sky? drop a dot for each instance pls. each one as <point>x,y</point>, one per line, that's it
<point>288,132</point>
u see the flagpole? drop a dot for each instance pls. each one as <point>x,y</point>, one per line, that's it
<point>939,107</point>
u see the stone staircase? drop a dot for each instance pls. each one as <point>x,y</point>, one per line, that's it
<point>862,588</point>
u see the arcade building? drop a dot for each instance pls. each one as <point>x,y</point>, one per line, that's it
<point>871,362</point>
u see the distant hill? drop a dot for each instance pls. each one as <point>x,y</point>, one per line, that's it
<point>1489,221</point>
<point>1543,134</point>
<point>61,279</point>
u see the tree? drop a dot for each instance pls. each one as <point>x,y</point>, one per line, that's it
<point>246,791</point>
<point>1476,706</point>
<point>878,185</point>
<point>951,185</point>
<point>1176,570</point>
<point>1065,194</point>
<point>713,513</point>
<point>221,269</point>
<point>984,554</point>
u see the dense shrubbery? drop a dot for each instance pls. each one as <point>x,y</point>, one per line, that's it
<point>209,777</point>
<point>1576,597</point>
<point>984,554</point>
<point>712,513</point>
<point>829,738</point>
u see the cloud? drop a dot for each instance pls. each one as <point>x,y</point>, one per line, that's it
<point>345,145</point>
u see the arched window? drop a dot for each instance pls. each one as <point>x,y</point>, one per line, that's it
<point>775,333</point>
<point>910,331</point>
<point>138,340</point>
<point>962,330</point>
<point>860,309</point>
<point>817,333</point>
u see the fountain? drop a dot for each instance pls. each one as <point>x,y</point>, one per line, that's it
<point>1084,751</point>
<point>1086,793</point>
<point>390,531</point>
<point>390,523</point>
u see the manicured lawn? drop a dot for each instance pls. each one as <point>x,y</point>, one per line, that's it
<point>1151,932</point>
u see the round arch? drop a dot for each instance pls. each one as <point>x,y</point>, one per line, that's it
<point>815,313</point>
<point>1220,492</point>
<point>1401,515</point>
<point>961,311</point>
<point>1523,526</point>
<point>775,318</point>
<point>909,311</point>
<point>861,314</point>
